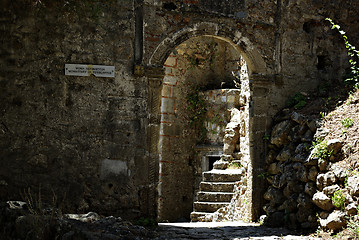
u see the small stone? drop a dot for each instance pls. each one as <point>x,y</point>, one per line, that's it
<point>313,173</point>
<point>273,169</point>
<point>351,209</point>
<point>334,145</point>
<point>353,185</point>
<point>88,217</point>
<point>339,172</point>
<point>269,209</point>
<point>312,125</point>
<point>302,129</point>
<point>273,195</point>
<point>302,174</point>
<point>308,136</point>
<point>335,221</point>
<point>326,179</point>
<point>271,157</point>
<point>284,155</point>
<point>16,204</point>
<point>280,133</point>
<point>311,160</point>
<point>288,205</point>
<point>297,117</point>
<point>330,190</point>
<point>322,164</point>
<point>302,148</point>
<point>310,188</point>
<point>323,215</point>
<point>304,201</point>
<point>300,158</point>
<point>322,201</point>
<point>321,133</point>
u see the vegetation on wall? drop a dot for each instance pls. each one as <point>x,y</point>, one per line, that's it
<point>297,101</point>
<point>353,77</point>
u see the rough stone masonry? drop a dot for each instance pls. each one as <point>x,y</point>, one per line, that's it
<point>93,142</point>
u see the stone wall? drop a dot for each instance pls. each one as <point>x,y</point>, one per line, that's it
<point>96,139</point>
<point>80,137</point>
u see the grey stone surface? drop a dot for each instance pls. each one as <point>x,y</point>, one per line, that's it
<point>280,133</point>
<point>322,201</point>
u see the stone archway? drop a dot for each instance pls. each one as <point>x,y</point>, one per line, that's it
<point>166,207</point>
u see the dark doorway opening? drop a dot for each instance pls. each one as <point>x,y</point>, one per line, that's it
<point>211,160</point>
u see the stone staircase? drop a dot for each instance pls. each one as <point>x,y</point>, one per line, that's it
<point>216,191</point>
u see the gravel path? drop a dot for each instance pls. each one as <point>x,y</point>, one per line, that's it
<point>223,230</point>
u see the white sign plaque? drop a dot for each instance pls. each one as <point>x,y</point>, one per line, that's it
<point>88,70</point>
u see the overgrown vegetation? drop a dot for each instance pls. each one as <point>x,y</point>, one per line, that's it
<point>347,122</point>
<point>338,199</point>
<point>320,149</point>
<point>297,101</point>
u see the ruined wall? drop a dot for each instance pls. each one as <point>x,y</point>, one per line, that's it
<point>95,139</point>
<point>80,137</point>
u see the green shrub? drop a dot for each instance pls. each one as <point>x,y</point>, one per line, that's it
<point>297,101</point>
<point>338,199</point>
<point>347,122</point>
<point>321,149</point>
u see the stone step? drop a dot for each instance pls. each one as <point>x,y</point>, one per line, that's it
<point>216,186</point>
<point>214,196</point>
<point>195,216</point>
<point>228,175</point>
<point>208,206</point>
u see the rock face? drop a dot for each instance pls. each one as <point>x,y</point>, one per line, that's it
<point>292,174</point>
<point>307,180</point>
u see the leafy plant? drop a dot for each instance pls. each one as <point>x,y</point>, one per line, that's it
<point>338,199</point>
<point>347,122</point>
<point>353,56</point>
<point>320,149</point>
<point>234,165</point>
<point>266,137</point>
<point>297,101</point>
<point>323,114</point>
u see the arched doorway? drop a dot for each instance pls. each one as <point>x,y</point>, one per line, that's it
<point>194,61</point>
<point>201,85</point>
